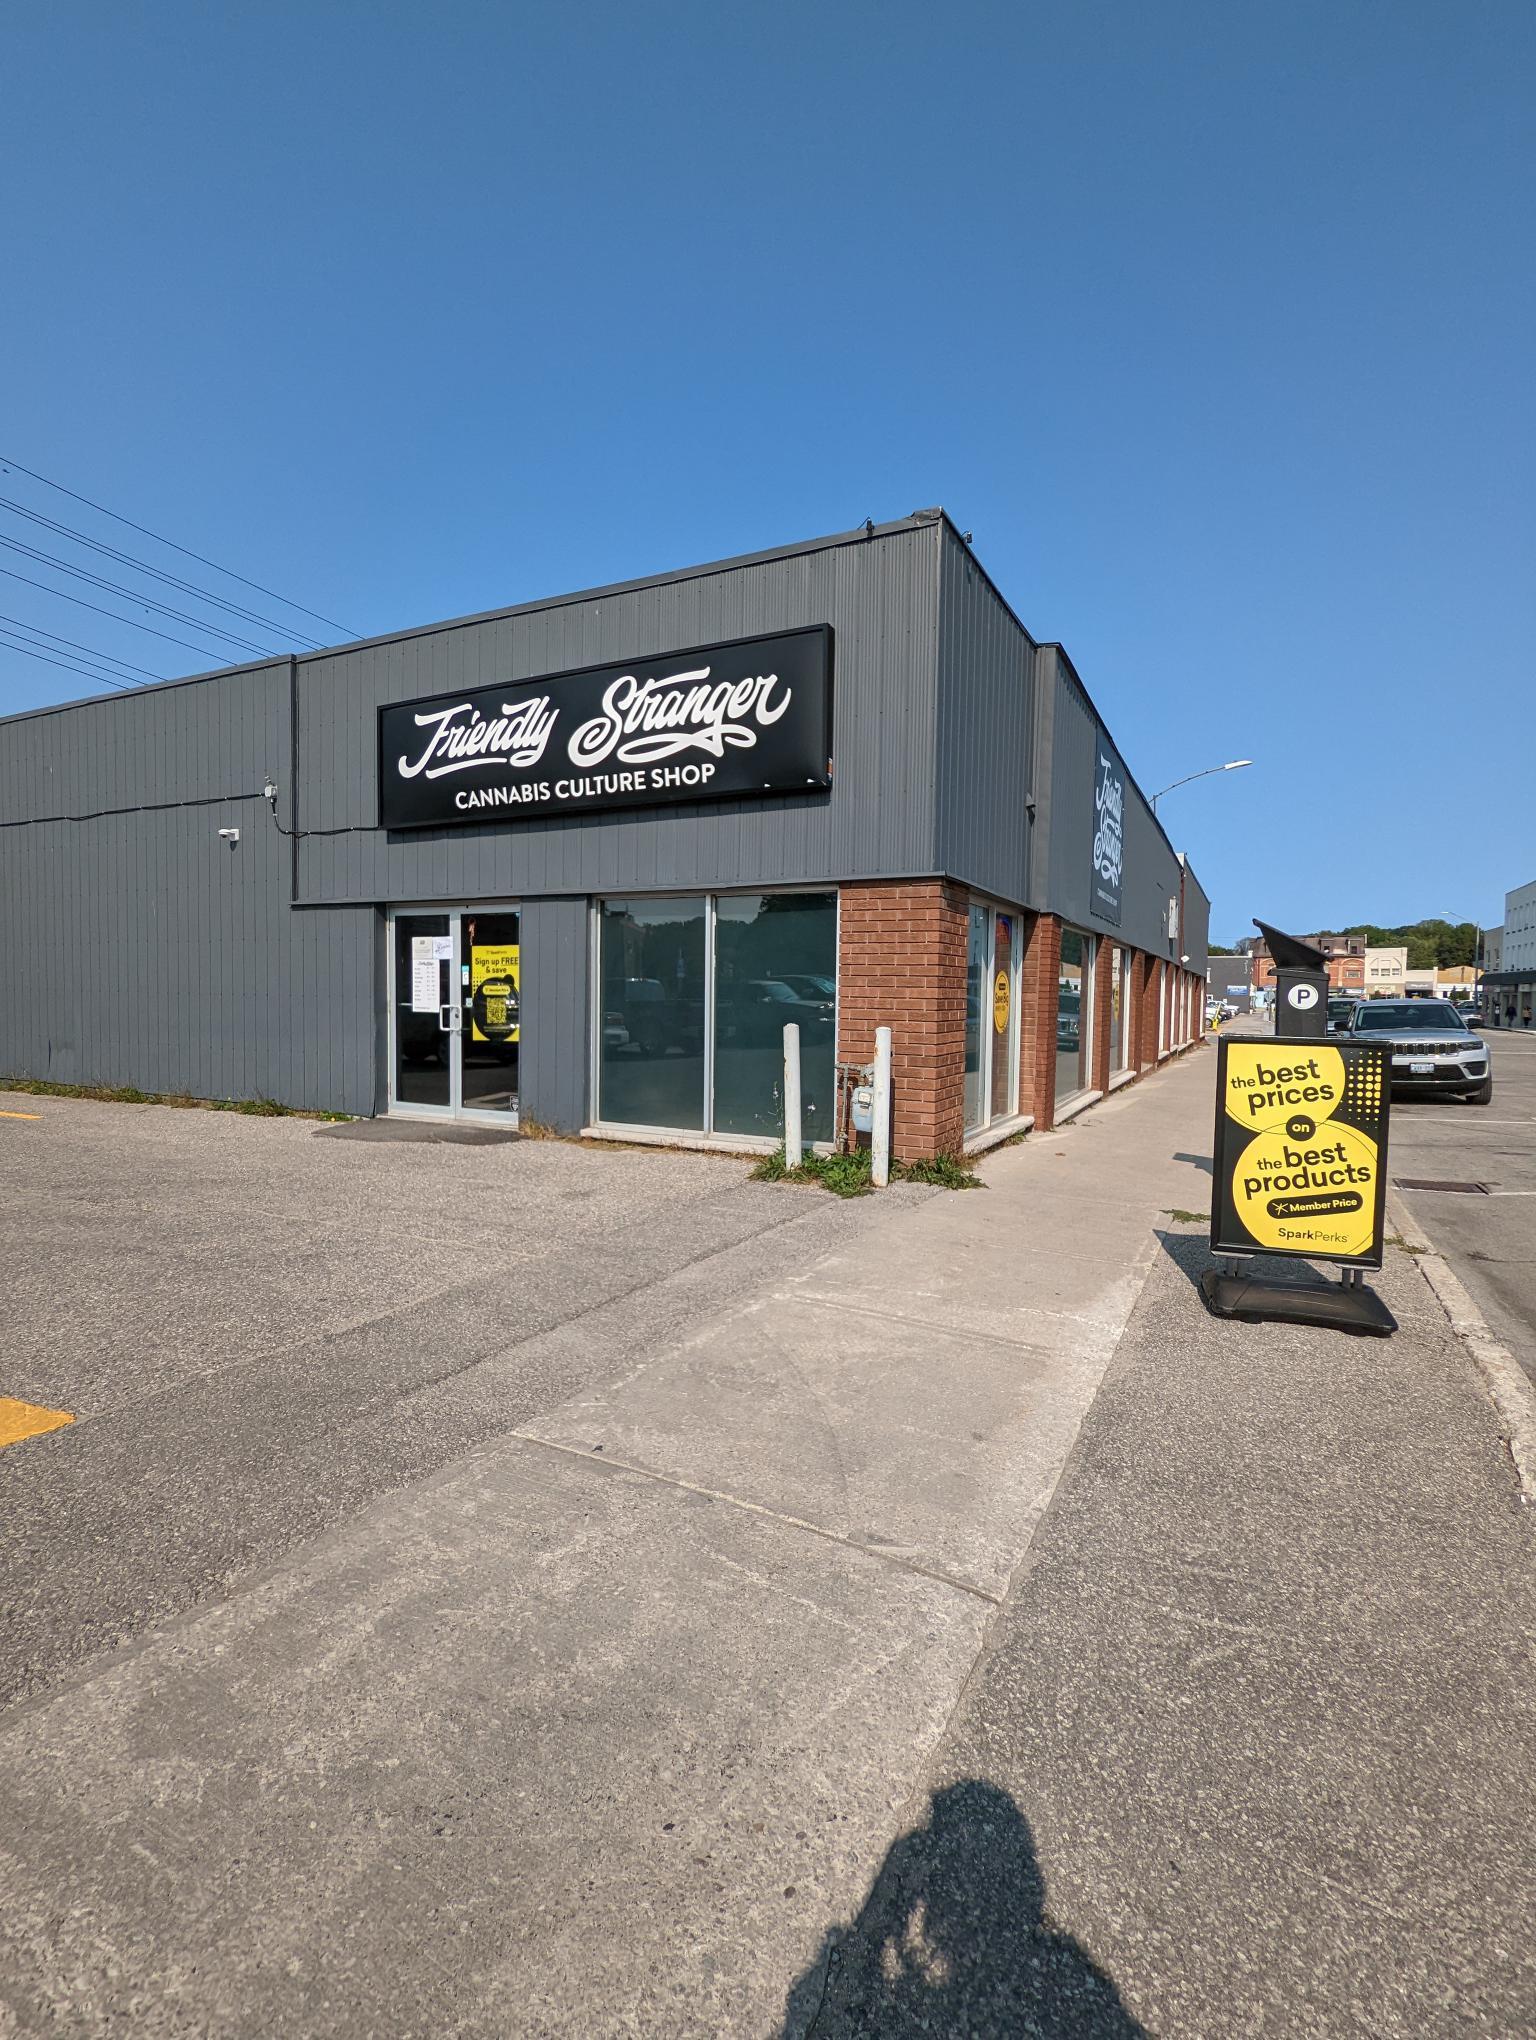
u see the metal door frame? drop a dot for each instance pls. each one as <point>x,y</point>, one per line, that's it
<point>455,1108</point>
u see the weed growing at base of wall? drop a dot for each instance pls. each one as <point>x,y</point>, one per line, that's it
<point>126,1094</point>
<point>849,1175</point>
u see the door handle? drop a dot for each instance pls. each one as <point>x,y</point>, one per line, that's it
<point>450,1019</point>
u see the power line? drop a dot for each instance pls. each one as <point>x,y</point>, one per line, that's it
<point>171,580</point>
<point>64,595</point>
<point>90,651</point>
<point>186,551</point>
<point>68,665</point>
<point>133,595</point>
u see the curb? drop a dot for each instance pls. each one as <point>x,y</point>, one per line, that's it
<point>1506,1381</point>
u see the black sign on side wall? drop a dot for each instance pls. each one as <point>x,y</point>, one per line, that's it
<point>1108,832</point>
<point>727,722</point>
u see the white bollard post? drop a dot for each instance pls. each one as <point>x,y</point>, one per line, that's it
<point>794,1145</point>
<point>880,1137</point>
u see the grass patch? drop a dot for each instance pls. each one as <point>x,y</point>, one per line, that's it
<point>943,1171</point>
<point>180,1101</point>
<point>1188,1217</point>
<point>1393,1239</point>
<point>850,1175</point>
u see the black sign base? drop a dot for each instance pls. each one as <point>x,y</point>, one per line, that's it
<point>1341,1307</point>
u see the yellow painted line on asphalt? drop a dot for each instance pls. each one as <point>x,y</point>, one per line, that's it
<point>20,1115</point>
<point>20,1420</point>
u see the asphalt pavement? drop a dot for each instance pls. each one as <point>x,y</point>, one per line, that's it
<point>1487,1229</point>
<point>690,1607</point>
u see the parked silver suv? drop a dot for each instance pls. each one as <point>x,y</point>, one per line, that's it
<point>1432,1047</point>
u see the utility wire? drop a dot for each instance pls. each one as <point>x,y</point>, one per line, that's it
<point>171,580</point>
<point>90,651</point>
<point>134,595</point>
<point>186,551</point>
<point>29,641</point>
<point>68,665</point>
<point>64,596</point>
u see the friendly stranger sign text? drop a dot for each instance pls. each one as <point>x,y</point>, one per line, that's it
<point>727,722</point>
<point>1301,1144</point>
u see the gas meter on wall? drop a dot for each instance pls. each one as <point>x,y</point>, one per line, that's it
<point>862,1108</point>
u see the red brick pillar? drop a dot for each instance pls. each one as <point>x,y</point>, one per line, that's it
<point>1037,1021</point>
<point>1103,984</point>
<point>1146,1041</point>
<point>901,964</point>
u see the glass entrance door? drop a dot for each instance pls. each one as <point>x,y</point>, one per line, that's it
<point>490,1031</point>
<point>455,1011</point>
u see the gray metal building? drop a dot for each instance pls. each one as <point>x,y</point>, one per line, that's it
<point>969,774</point>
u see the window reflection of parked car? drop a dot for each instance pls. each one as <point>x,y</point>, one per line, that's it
<point>759,1010</point>
<point>1069,1021</point>
<point>817,990</point>
<point>655,1023</point>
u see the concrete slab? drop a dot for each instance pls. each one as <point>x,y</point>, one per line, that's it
<point>541,1736</point>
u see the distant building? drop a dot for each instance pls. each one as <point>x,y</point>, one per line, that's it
<point>1384,971</point>
<point>1509,977</point>
<point>1345,956</point>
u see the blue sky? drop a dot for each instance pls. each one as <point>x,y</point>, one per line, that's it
<point>1214,323</point>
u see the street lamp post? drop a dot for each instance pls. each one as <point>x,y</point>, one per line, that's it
<point>1235,765</point>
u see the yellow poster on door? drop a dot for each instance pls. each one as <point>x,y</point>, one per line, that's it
<point>494,991</point>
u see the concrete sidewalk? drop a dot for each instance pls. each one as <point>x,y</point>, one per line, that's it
<point>614,1726</point>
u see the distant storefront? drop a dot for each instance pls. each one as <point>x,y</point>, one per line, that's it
<point>577,863</point>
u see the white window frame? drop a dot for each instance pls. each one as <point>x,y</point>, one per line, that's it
<point>689,1136</point>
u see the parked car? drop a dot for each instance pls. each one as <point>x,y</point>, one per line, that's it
<point>808,985</point>
<point>758,1011</point>
<point>655,1022</point>
<point>1431,1047</point>
<point>1341,1011</point>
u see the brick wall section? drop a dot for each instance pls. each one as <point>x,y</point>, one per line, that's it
<point>901,964</point>
<point>1037,1021</point>
<point>1103,982</point>
<point>1146,1012</point>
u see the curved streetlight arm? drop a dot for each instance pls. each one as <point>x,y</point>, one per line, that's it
<point>1236,765</point>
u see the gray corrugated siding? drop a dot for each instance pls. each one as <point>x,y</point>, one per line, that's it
<point>1150,877</point>
<point>140,949</point>
<point>1197,922</point>
<point>881,599</point>
<point>555,941</point>
<point>986,733</point>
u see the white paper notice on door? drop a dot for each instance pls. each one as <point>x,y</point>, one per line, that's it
<point>424,997</point>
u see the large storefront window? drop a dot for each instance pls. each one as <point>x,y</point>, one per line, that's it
<point>651,1040</point>
<point>775,962</point>
<point>975,987</point>
<point>1119,1008</point>
<point>991,1017</point>
<point>1074,1021</point>
<point>695,995</point>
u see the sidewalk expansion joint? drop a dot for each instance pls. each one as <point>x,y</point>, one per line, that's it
<point>948,1331</point>
<point>690,1487</point>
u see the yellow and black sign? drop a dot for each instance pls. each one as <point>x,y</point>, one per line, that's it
<point>1001,1001</point>
<point>493,991</point>
<point>1301,1150</point>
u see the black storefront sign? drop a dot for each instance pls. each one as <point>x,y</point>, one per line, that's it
<point>1108,832</point>
<point>725,722</point>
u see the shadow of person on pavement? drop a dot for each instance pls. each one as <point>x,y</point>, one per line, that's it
<point>953,1939</point>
